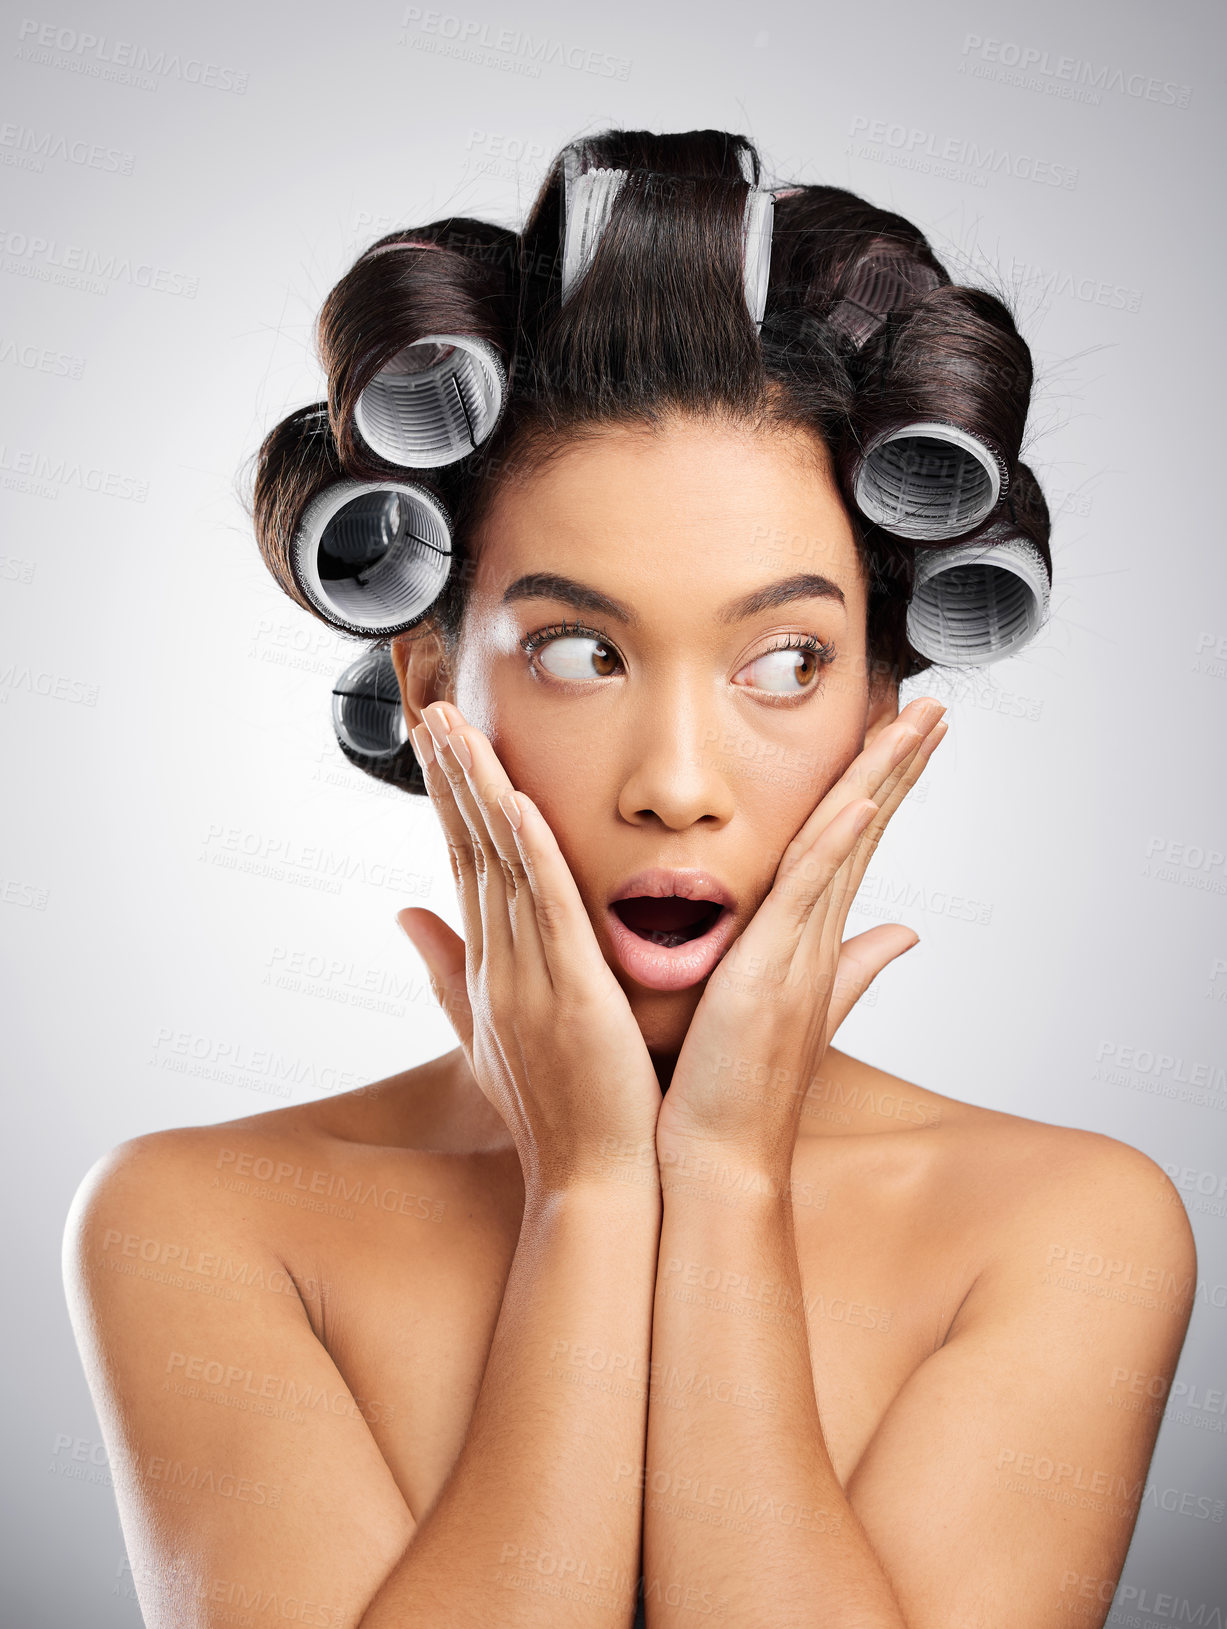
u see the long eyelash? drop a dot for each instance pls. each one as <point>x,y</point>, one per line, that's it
<point>541,636</point>
<point>824,652</point>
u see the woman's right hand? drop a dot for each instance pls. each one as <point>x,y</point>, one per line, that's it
<point>545,1025</point>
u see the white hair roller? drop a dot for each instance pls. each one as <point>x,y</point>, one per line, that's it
<point>435,402</point>
<point>977,602</point>
<point>757,228</point>
<point>929,481</point>
<point>589,198</point>
<point>372,556</point>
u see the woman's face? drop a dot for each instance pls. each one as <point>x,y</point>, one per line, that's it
<point>695,678</point>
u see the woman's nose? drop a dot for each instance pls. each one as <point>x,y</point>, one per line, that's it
<point>672,769</point>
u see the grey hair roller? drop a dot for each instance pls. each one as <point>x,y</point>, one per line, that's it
<point>929,481</point>
<point>372,556</point>
<point>977,602</point>
<point>434,402</point>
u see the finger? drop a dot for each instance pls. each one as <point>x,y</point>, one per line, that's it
<point>443,951</point>
<point>827,933</point>
<point>891,794</point>
<point>772,936</point>
<point>795,928</point>
<point>569,943</point>
<point>490,789</point>
<point>861,959</point>
<point>572,955</point>
<point>458,838</point>
<point>871,768</point>
<point>886,756</point>
<point>901,780</point>
<point>454,739</point>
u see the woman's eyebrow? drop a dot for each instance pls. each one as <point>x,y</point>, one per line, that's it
<point>549,585</point>
<point>805,585</point>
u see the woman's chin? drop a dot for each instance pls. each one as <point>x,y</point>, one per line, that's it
<point>663,1019</point>
<point>663,1016</point>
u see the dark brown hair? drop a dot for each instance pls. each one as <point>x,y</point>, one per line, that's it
<point>863,330</point>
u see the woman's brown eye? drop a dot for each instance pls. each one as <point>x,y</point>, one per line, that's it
<point>775,670</point>
<point>578,656</point>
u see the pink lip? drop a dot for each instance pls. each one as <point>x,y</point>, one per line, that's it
<point>676,967</point>
<point>658,882</point>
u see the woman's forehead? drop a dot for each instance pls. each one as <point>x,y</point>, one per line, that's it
<point>693,507</point>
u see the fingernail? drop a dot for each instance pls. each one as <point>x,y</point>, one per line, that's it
<point>436,723</point>
<point>423,746</point>
<point>460,747</point>
<point>509,806</point>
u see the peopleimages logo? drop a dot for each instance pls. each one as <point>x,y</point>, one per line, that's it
<point>76,265</point>
<point>28,148</point>
<point>957,158</point>
<point>99,57</point>
<point>1034,279</point>
<point>474,40</point>
<point>25,469</point>
<point>40,359</point>
<point>1072,78</point>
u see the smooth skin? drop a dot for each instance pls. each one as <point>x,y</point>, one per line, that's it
<point>810,1344</point>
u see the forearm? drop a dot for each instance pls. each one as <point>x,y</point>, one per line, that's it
<point>742,1504</point>
<point>528,1529</point>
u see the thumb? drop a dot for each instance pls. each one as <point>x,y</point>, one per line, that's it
<point>861,959</point>
<point>443,952</point>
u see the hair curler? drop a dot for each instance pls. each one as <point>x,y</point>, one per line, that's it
<point>372,556</point>
<point>977,602</point>
<point>928,481</point>
<point>757,226</point>
<point>434,402</point>
<point>882,280</point>
<point>589,199</point>
<point>369,721</point>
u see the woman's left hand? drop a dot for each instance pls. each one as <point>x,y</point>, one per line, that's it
<point>785,985</point>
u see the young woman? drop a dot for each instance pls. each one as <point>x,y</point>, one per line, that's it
<point>644,1301</point>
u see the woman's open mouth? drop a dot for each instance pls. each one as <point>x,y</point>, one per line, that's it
<point>670,921</point>
<point>667,942</point>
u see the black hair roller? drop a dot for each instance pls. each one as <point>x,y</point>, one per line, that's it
<point>372,557</point>
<point>368,720</point>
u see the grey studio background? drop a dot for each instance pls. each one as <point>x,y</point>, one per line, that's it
<point>198,893</point>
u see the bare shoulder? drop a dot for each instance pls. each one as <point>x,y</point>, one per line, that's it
<point>265,1177</point>
<point>152,1175</point>
<point>156,1210</point>
<point>1088,1189</point>
<point>1035,1198</point>
<point>1078,1230</point>
<point>201,1305</point>
<point>1022,1427</point>
<point>159,1173</point>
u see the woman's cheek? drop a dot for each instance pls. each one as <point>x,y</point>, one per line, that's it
<point>556,768</point>
<point>782,779</point>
